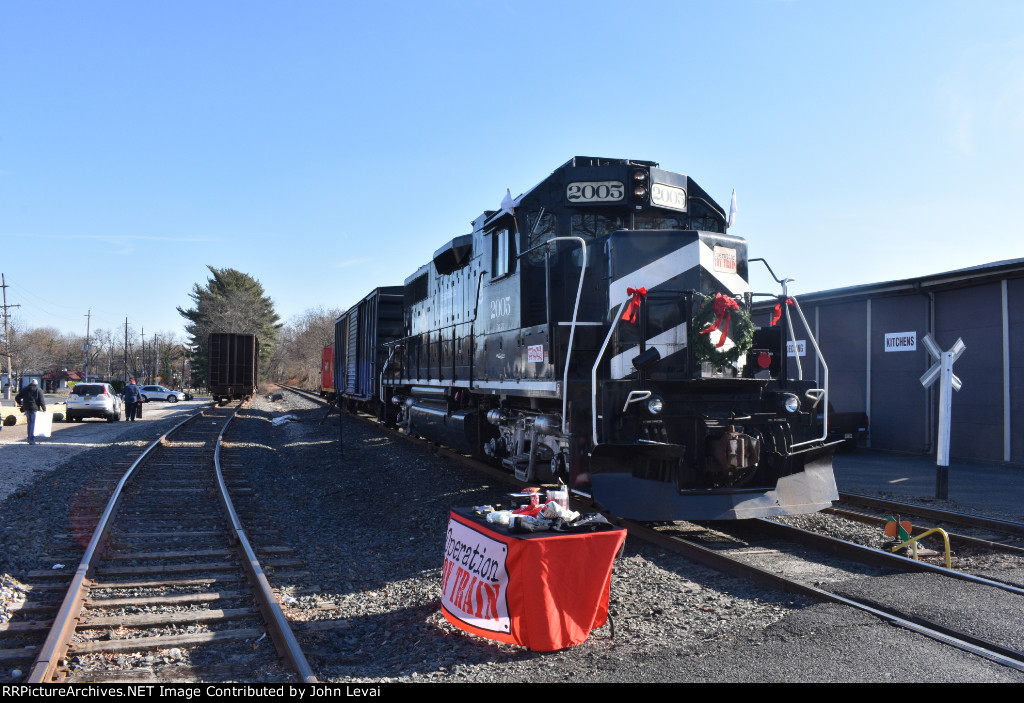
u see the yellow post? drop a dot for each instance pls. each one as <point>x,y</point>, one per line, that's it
<point>912,542</point>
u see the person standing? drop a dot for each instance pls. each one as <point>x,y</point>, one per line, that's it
<point>31,401</point>
<point>132,398</point>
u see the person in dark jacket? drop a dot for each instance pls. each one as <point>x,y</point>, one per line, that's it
<point>31,401</point>
<point>132,398</point>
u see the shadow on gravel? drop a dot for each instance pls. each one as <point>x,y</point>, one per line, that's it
<point>405,642</point>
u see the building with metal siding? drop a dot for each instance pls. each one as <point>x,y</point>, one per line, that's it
<point>983,305</point>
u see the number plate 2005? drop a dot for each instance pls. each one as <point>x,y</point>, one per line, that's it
<point>595,191</point>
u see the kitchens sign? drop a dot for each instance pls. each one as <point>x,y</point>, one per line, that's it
<point>901,341</point>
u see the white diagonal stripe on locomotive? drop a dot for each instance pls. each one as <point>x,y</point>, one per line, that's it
<point>667,343</point>
<point>665,263</point>
<point>705,261</point>
<point>654,274</point>
<point>728,282</point>
<point>683,260</point>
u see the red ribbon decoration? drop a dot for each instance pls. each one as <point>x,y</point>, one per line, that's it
<point>633,308</point>
<point>778,311</point>
<point>723,305</point>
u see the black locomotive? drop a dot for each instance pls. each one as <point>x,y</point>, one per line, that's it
<point>596,331</point>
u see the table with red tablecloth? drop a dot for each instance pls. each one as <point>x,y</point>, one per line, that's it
<point>542,590</point>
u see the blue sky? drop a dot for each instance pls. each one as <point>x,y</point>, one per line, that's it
<point>328,147</point>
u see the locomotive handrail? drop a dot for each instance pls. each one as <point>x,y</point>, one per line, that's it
<point>796,356</point>
<point>572,329</point>
<point>792,332</point>
<point>824,366</point>
<point>597,362</point>
<point>385,369</point>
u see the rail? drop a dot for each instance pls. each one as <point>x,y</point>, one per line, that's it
<point>55,647</point>
<point>727,564</point>
<point>280,630</point>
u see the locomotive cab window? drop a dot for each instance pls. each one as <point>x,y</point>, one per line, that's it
<point>542,229</point>
<point>659,222</point>
<point>503,253</point>
<point>593,225</point>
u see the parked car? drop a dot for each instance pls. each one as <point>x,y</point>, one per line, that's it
<point>160,393</point>
<point>93,400</point>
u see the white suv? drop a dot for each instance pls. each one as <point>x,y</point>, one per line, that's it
<point>160,393</point>
<point>93,400</point>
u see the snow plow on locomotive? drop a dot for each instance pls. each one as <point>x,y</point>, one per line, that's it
<point>596,331</point>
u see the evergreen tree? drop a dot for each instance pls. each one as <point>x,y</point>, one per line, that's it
<point>230,302</point>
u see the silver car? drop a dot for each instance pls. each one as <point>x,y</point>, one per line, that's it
<point>93,400</point>
<point>160,393</point>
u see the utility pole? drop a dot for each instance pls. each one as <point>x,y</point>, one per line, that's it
<point>86,347</point>
<point>143,335</point>
<point>125,379</point>
<point>7,339</point>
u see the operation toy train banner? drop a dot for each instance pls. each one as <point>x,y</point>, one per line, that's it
<point>475,579</point>
<point>544,590</point>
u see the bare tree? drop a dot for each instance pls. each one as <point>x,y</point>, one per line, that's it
<point>300,347</point>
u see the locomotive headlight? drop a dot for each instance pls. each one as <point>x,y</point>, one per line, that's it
<point>790,403</point>
<point>639,192</point>
<point>655,405</point>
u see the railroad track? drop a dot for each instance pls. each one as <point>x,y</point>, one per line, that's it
<point>168,576</point>
<point>768,563</point>
<point>1011,534</point>
<point>869,560</point>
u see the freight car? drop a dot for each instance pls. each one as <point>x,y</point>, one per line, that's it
<point>596,331</point>
<point>327,383</point>
<point>234,366</point>
<point>361,336</point>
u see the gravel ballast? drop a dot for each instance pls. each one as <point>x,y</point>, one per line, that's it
<point>370,524</point>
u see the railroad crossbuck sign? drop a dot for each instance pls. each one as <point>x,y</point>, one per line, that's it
<point>942,369</point>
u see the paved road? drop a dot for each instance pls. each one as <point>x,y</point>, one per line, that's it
<point>19,460</point>
<point>987,487</point>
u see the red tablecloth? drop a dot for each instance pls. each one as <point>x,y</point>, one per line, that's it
<point>544,590</point>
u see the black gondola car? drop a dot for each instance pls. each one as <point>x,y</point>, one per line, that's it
<point>360,351</point>
<point>234,366</point>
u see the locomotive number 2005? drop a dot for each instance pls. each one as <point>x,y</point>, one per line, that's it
<point>501,307</point>
<point>595,191</point>
<point>668,196</point>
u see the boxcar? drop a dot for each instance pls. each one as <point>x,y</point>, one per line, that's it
<point>234,366</point>
<point>360,355</point>
<point>327,382</point>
